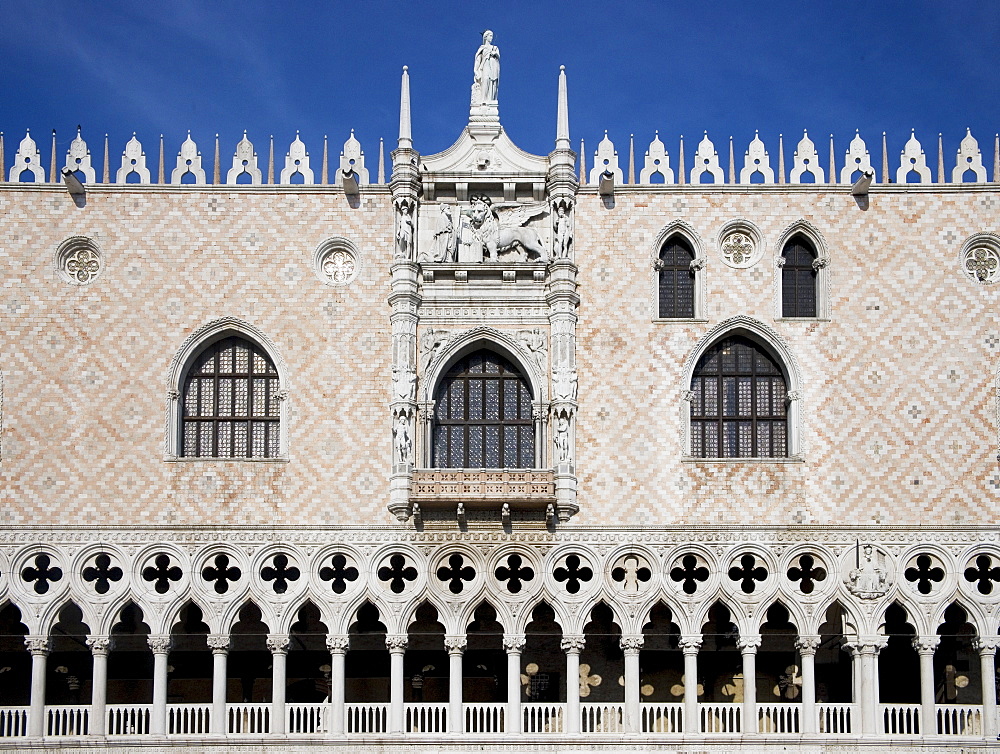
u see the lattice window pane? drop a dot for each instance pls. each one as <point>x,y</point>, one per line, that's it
<point>259,406</point>
<point>475,447</point>
<point>510,399</point>
<point>697,446</point>
<point>226,360</point>
<point>524,397</point>
<point>780,438</point>
<point>728,356</point>
<point>225,398</point>
<point>240,439</point>
<point>764,440</point>
<point>779,396</point>
<point>191,399</point>
<point>441,407</point>
<point>207,402</point>
<point>492,446</point>
<point>763,389</point>
<point>457,454</point>
<point>191,439</point>
<point>205,439</point>
<point>744,359</point>
<point>744,386</point>
<point>240,398</point>
<point>259,364</point>
<point>272,398</point>
<point>746,439</point>
<point>711,396</point>
<point>273,440</point>
<point>490,364</point>
<point>492,400</point>
<point>259,439</point>
<point>225,431</point>
<point>510,447</point>
<point>241,359</point>
<point>475,399</point>
<point>697,399</point>
<point>729,396</point>
<point>711,431</point>
<point>476,363</point>
<point>457,400</point>
<point>527,450</point>
<point>441,446</point>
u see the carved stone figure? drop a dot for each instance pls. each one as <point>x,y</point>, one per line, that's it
<point>562,439</point>
<point>563,233</point>
<point>503,238</point>
<point>564,384</point>
<point>486,71</point>
<point>868,580</point>
<point>404,232</point>
<point>534,341</point>
<point>430,343</point>
<point>402,440</point>
<point>404,384</point>
<point>446,239</point>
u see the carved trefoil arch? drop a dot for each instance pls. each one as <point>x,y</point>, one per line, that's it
<point>821,264</point>
<point>687,232</point>
<point>776,346</point>
<point>184,358</point>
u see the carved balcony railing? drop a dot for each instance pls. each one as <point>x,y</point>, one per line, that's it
<point>483,489</point>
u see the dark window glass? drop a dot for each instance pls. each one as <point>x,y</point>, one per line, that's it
<point>738,403</point>
<point>483,416</point>
<point>230,403</point>
<point>676,279</point>
<point>798,279</point>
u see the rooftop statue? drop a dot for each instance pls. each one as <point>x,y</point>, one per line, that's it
<point>487,72</point>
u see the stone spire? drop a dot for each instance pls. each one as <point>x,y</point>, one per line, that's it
<point>562,113</point>
<point>405,137</point>
<point>107,167</point>
<point>52,161</point>
<point>381,160</point>
<point>325,174</point>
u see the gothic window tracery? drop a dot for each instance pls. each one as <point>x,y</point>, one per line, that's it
<point>675,279</point>
<point>738,402</point>
<point>231,403</point>
<point>483,416</point>
<point>800,266</point>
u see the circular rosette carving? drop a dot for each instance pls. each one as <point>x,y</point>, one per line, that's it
<point>980,258</point>
<point>981,576</point>
<point>40,574</point>
<point>749,574</point>
<point>397,574</point>
<point>516,574</point>
<point>79,261</point>
<point>740,244</point>
<point>925,574</point>
<point>455,573</point>
<point>162,573</point>
<point>572,574</point>
<point>631,575</point>
<point>808,573</point>
<point>336,262</point>
<point>340,571</point>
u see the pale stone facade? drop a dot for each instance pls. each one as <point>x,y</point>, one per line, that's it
<point>874,530</point>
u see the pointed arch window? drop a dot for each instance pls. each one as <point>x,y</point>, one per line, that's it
<point>230,403</point>
<point>483,415</point>
<point>799,277</point>
<point>676,278</point>
<point>738,402</point>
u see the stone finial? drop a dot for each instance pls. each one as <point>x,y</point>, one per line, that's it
<point>562,112</point>
<point>583,164</point>
<point>381,160</point>
<point>706,160</point>
<point>297,161</point>
<point>270,162</point>
<point>756,160</point>
<point>657,161</point>
<point>161,176</point>
<point>806,160</point>
<point>325,172</point>
<point>606,160</point>
<point>52,159</point>
<point>885,160</point>
<point>996,158</point>
<point>940,170</point>
<point>732,162</point>
<point>3,159</point>
<point>833,162</point>
<point>857,159</point>
<point>78,159</point>
<point>631,158</point>
<point>405,140</point>
<point>133,161</point>
<point>188,161</point>
<point>107,162</point>
<point>913,159</point>
<point>244,161</point>
<point>969,158</point>
<point>27,158</point>
<point>352,158</point>
<point>217,170</point>
<point>680,162</point>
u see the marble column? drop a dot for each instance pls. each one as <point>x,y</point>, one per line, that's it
<point>455,645</point>
<point>100,646</point>
<point>631,645</point>
<point>219,644</point>
<point>573,646</point>
<point>987,648</point>
<point>338,646</point>
<point>278,646</point>
<point>38,646</point>
<point>748,646</point>
<point>513,644</point>
<point>160,645</point>
<point>925,646</point>
<point>868,648</point>
<point>690,644</point>
<point>397,651</point>
<point>807,644</point>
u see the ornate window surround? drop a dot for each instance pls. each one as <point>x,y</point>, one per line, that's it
<point>771,341</point>
<point>460,345</point>
<point>203,337</point>
<point>688,233</point>
<point>809,231</point>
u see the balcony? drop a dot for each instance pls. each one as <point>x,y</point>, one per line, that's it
<point>483,489</point>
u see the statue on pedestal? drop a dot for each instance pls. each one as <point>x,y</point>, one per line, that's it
<point>486,79</point>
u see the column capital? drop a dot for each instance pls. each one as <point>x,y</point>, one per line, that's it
<point>277,644</point>
<point>573,644</point>
<point>338,644</point>
<point>807,644</point>
<point>986,645</point>
<point>37,645</point>
<point>925,645</point>
<point>455,645</point>
<point>749,644</point>
<point>690,643</point>
<point>219,643</point>
<point>100,646</point>
<point>160,644</point>
<point>631,645</point>
<point>514,642</point>
<point>868,645</point>
<point>396,643</point>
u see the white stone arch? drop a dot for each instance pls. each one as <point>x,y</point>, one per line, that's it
<point>914,617</point>
<point>700,616</point>
<point>677,615</point>
<point>192,347</point>
<point>689,234</point>
<point>815,619</point>
<point>502,342</point>
<point>209,617</point>
<point>619,615</point>
<point>822,265</point>
<point>49,615</point>
<point>231,615</point>
<point>290,612</point>
<point>349,615</point>
<point>974,614</point>
<point>521,620</point>
<point>467,613</point>
<point>795,614</point>
<point>772,342</point>
<point>446,617</point>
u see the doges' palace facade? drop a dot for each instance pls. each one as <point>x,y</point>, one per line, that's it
<point>695,455</point>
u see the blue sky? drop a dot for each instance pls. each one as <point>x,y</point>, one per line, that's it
<point>325,67</point>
